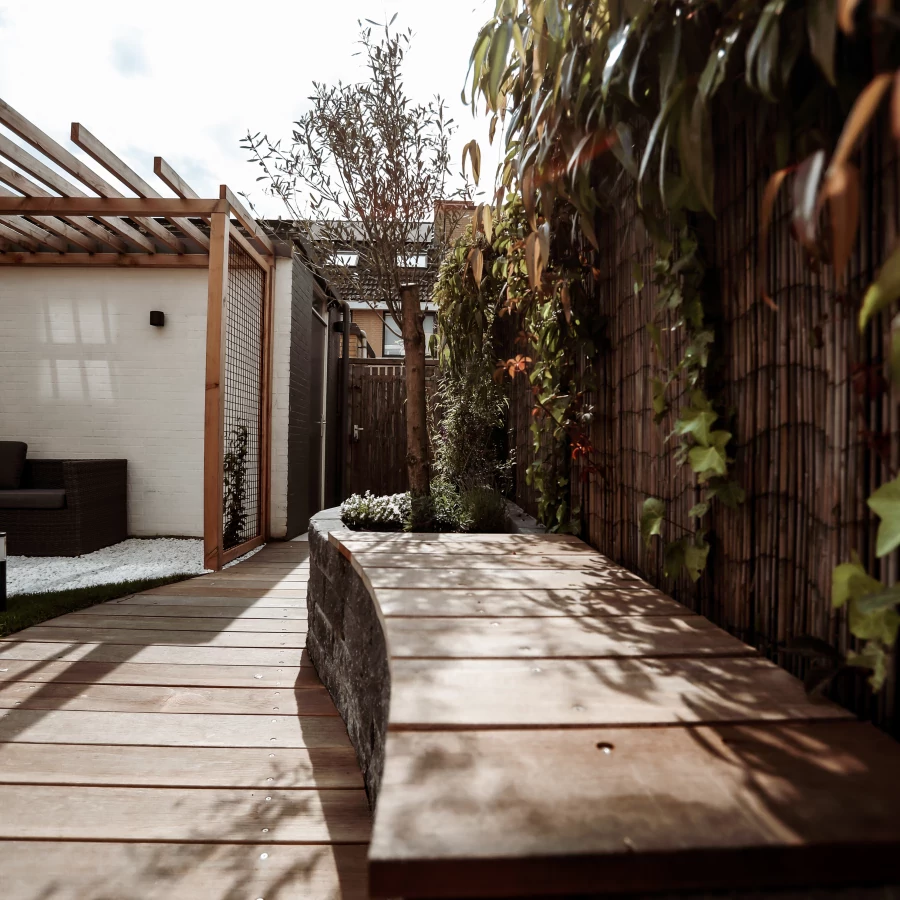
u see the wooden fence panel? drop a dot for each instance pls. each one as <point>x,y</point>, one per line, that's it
<point>805,418</point>
<point>378,413</point>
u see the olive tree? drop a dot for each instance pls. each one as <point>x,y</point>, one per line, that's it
<point>362,173</point>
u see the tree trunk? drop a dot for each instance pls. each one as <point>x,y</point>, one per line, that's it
<point>413,332</point>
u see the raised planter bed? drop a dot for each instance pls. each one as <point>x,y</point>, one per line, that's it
<point>532,720</point>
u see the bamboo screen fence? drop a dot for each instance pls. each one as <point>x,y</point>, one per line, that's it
<point>808,410</point>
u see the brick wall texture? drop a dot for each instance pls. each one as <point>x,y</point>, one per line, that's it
<point>83,375</point>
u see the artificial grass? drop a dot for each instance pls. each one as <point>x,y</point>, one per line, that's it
<point>23,610</point>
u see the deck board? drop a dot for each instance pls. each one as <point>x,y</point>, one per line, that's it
<point>178,744</point>
<point>557,726</point>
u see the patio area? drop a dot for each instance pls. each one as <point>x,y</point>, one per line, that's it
<point>177,743</point>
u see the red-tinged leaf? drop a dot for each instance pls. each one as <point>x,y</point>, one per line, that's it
<point>845,12</point>
<point>895,107</point>
<point>841,190</point>
<point>805,200</point>
<point>863,110</point>
<point>773,186</point>
<point>566,301</point>
<point>528,199</point>
<point>532,251</point>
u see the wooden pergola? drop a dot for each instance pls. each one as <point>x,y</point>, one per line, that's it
<point>46,219</point>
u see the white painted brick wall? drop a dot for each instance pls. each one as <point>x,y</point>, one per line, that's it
<point>281,371</point>
<point>84,375</point>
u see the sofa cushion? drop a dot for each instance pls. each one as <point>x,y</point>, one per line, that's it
<point>12,462</point>
<point>33,498</point>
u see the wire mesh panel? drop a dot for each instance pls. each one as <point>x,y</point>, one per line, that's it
<point>242,471</point>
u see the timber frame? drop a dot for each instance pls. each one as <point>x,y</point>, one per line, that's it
<point>48,220</point>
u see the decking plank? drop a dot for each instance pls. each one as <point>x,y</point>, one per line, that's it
<point>546,693</point>
<point>220,594</point>
<point>85,870</point>
<point>158,636</point>
<point>296,614</point>
<point>624,601</point>
<point>233,767</point>
<point>59,726</point>
<point>400,559</point>
<point>311,701</point>
<point>211,815</point>
<point>751,805</point>
<point>549,637</point>
<point>170,654</point>
<point>178,621</point>
<point>88,672</point>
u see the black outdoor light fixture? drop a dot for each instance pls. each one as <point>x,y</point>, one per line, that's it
<point>157,318</point>
<point>2,571</point>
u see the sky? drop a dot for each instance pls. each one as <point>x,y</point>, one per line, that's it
<point>186,80</point>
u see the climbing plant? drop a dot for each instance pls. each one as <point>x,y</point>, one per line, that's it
<point>600,101</point>
<point>235,484</point>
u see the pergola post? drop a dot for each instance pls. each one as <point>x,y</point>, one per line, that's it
<point>214,414</point>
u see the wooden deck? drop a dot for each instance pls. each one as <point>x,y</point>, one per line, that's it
<point>558,726</point>
<point>176,744</point>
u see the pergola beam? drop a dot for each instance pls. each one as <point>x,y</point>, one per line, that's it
<point>117,260</point>
<point>97,150</point>
<point>247,221</point>
<point>45,174</point>
<point>54,151</point>
<point>173,180</point>
<point>60,229</point>
<point>16,238</point>
<point>36,232</point>
<point>23,185</point>
<point>114,206</point>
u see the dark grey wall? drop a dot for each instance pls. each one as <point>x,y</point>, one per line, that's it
<point>298,511</point>
<point>333,415</point>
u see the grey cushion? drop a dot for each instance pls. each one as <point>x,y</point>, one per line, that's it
<point>12,462</point>
<point>33,498</point>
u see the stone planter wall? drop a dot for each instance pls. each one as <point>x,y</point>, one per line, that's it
<point>346,645</point>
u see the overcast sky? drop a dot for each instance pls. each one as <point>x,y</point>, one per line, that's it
<point>185,80</point>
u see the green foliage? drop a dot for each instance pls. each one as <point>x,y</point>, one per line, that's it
<point>885,502</point>
<point>652,515</point>
<point>235,484</point>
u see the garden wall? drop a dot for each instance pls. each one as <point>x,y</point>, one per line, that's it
<point>83,375</point>
<point>809,407</point>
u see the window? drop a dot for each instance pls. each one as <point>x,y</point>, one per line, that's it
<point>413,260</point>
<point>393,340</point>
<point>348,259</point>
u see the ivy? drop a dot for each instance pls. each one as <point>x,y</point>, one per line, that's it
<point>570,84</point>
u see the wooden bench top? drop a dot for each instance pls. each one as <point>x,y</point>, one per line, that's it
<point>559,726</point>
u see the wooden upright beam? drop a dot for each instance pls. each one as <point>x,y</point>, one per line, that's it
<point>214,412</point>
<point>246,220</point>
<point>133,207</point>
<point>103,155</point>
<point>265,430</point>
<point>54,151</point>
<point>46,175</point>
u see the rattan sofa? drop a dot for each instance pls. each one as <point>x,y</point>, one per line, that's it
<point>76,506</point>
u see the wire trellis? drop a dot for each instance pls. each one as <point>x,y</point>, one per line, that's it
<point>241,510</point>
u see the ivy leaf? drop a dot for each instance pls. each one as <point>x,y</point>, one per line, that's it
<point>708,461</point>
<point>731,494</point>
<point>850,581</point>
<point>698,510</point>
<point>697,423</point>
<point>881,625</point>
<point>884,291</point>
<point>821,23</point>
<point>885,503</point>
<point>872,657</point>
<point>652,514</point>
<point>695,555</point>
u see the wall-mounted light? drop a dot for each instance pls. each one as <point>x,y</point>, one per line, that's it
<point>157,318</point>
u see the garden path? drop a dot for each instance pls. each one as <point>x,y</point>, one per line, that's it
<point>178,744</point>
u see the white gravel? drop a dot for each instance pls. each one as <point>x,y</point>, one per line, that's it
<point>128,561</point>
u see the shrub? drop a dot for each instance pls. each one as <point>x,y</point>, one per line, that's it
<point>483,510</point>
<point>371,513</point>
